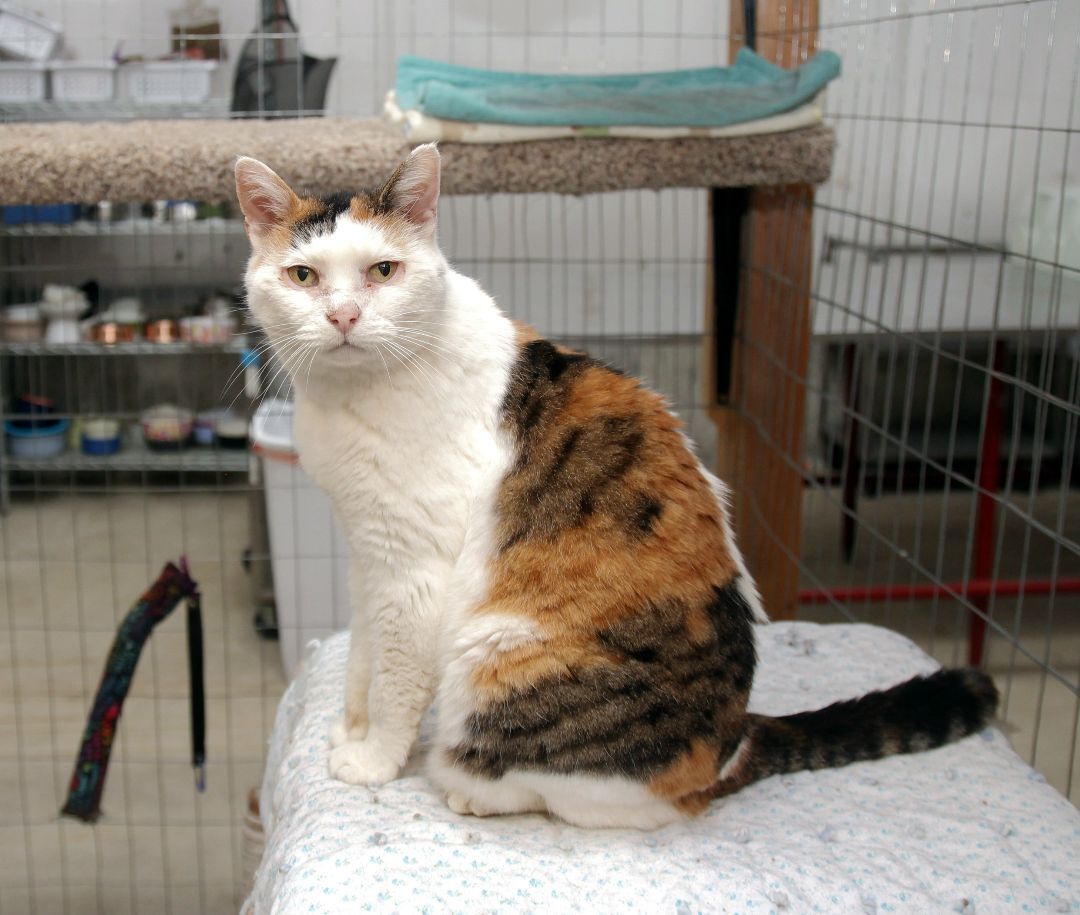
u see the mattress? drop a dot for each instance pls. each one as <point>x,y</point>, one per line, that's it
<point>965,828</point>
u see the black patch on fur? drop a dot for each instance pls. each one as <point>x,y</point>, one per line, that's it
<point>322,220</point>
<point>565,474</point>
<point>633,717</point>
<point>539,384</point>
<point>644,514</point>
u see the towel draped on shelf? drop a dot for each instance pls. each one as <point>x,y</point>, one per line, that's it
<point>435,101</point>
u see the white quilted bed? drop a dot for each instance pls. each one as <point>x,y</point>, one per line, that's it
<point>967,828</point>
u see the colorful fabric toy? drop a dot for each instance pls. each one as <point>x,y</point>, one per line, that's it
<point>88,779</point>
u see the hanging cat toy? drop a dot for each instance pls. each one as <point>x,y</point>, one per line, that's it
<point>88,780</point>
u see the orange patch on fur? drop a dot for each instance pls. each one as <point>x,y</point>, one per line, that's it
<point>576,584</point>
<point>279,237</point>
<point>516,668</point>
<point>360,209</point>
<point>694,771</point>
<point>694,803</point>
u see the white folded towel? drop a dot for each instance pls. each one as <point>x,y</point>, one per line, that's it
<point>422,128</point>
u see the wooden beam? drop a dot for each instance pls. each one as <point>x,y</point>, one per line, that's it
<point>760,428</point>
<point>773,348</point>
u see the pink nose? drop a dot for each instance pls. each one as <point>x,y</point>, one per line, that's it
<point>344,317</point>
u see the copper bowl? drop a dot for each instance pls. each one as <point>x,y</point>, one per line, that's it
<point>163,331</point>
<point>110,332</point>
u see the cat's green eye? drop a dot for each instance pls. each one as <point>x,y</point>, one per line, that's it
<point>382,271</point>
<point>303,276</point>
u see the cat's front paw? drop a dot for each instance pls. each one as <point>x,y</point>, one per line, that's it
<point>362,762</point>
<point>342,734</point>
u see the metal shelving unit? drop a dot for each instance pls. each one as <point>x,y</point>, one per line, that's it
<point>135,456</point>
<point>111,110</point>
<point>141,348</point>
<point>123,228</point>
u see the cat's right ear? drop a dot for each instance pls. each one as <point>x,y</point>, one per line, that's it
<point>265,199</point>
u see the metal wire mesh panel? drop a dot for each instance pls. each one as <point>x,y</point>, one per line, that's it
<point>940,387</point>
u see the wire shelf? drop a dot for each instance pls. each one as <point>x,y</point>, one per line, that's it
<point>137,457</point>
<point>140,348</point>
<point>124,228</point>
<point>112,110</point>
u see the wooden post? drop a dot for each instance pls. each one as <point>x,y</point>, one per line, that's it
<point>760,426</point>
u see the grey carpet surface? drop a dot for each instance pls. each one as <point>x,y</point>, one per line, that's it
<point>64,162</point>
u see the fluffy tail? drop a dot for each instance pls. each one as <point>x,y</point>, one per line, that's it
<point>921,714</point>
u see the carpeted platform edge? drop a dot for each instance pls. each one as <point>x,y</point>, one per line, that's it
<point>192,159</point>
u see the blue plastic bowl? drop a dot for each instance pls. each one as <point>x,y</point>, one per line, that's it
<point>39,442</point>
<point>100,446</point>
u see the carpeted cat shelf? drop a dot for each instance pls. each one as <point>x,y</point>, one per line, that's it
<point>193,159</point>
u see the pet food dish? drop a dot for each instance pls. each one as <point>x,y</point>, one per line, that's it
<point>21,324</point>
<point>35,405</point>
<point>232,432</point>
<point>112,332</point>
<point>206,425</point>
<point>42,439</point>
<point>35,413</point>
<point>163,331</point>
<point>100,436</point>
<point>167,427</point>
<point>207,329</point>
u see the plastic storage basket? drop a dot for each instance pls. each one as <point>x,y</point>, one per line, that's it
<point>309,557</point>
<point>83,81</point>
<point>22,81</point>
<point>167,82</point>
<point>26,35</point>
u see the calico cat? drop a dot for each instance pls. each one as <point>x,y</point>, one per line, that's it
<point>534,544</point>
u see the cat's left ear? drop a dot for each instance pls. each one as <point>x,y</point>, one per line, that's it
<point>413,189</point>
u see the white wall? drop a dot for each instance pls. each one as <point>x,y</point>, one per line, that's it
<point>947,122</point>
<point>368,35</point>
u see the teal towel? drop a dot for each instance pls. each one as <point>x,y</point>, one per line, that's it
<point>714,97</point>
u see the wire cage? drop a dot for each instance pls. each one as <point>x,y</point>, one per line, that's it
<point>885,368</point>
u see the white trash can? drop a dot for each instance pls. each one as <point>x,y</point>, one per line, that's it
<point>309,557</point>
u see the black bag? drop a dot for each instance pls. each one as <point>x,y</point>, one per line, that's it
<point>273,78</point>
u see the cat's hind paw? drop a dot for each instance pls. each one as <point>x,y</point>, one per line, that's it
<point>362,762</point>
<point>459,803</point>
<point>499,800</point>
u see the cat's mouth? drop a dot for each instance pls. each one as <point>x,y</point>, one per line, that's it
<point>345,350</point>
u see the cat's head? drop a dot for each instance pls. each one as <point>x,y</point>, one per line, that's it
<point>344,283</point>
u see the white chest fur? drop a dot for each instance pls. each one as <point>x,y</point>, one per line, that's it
<point>407,456</point>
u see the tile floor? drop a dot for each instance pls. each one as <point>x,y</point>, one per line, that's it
<point>72,563</point>
<point>70,567</point>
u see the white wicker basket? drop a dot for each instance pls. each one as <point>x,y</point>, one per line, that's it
<point>22,81</point>
<point>173,82</point>
<point>25,35</point>
<point>83,81</point>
